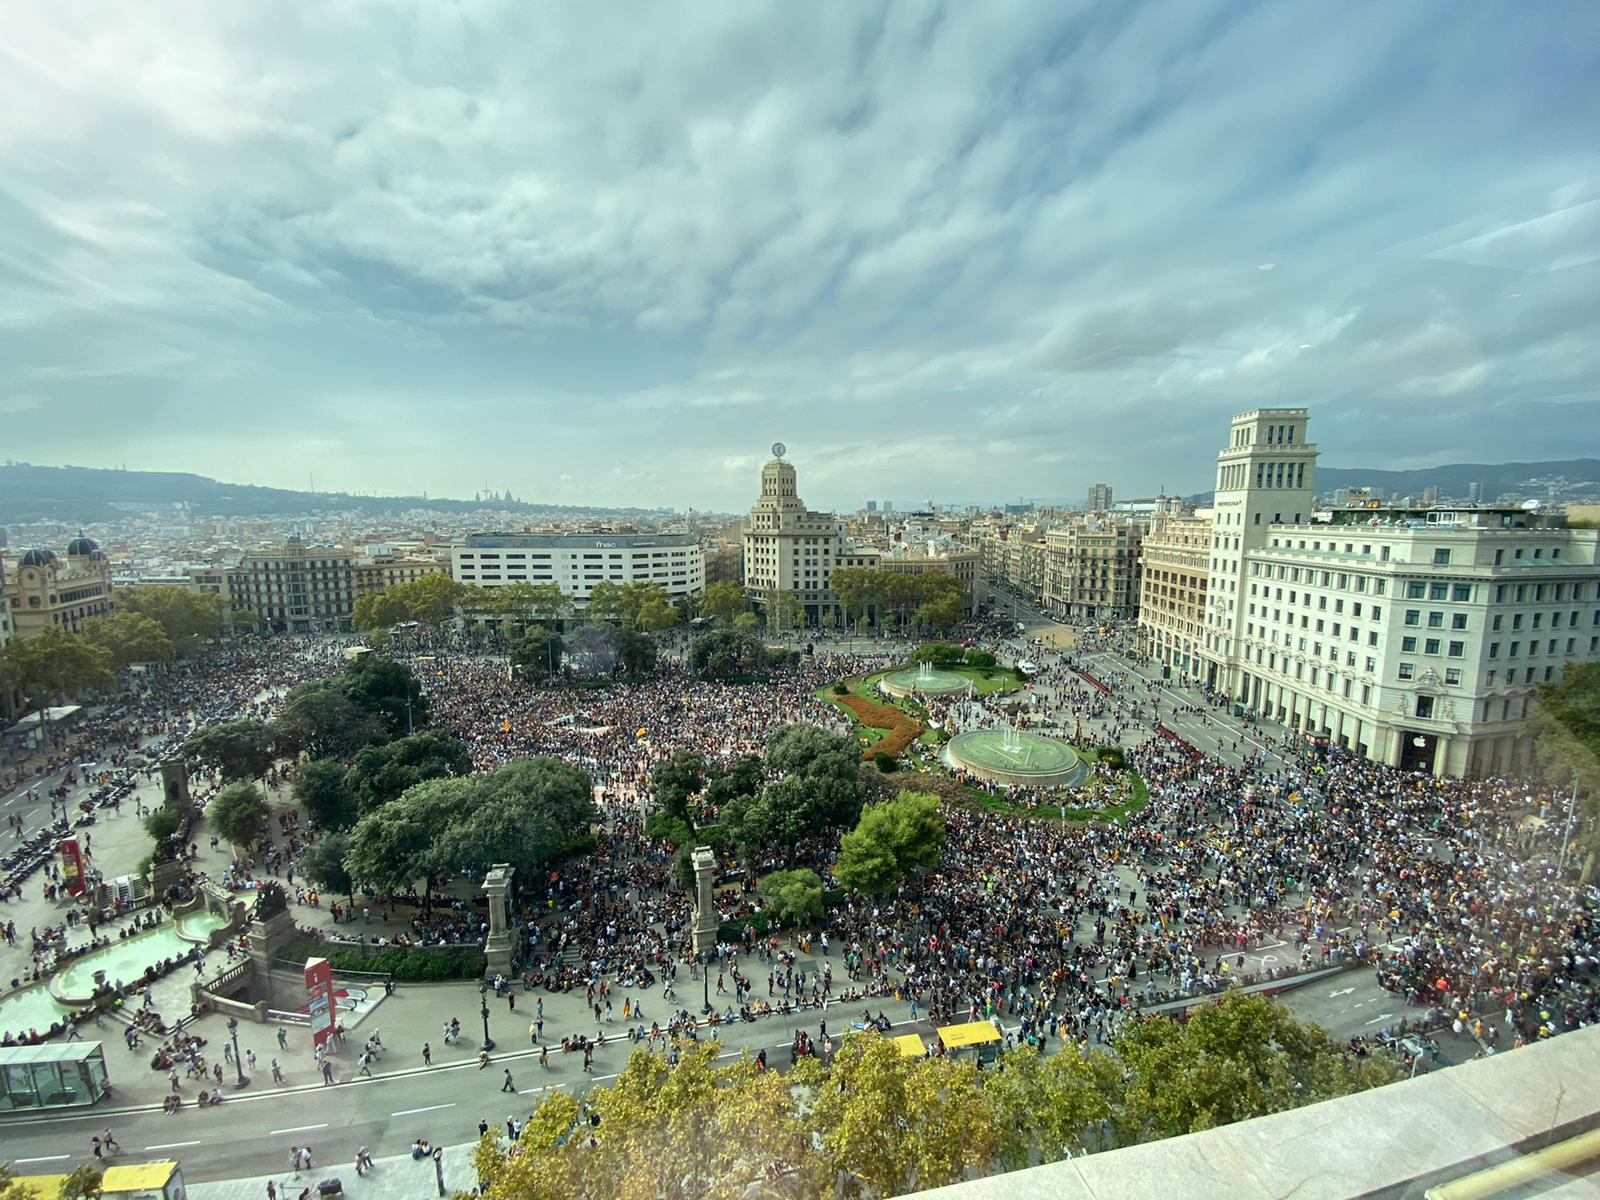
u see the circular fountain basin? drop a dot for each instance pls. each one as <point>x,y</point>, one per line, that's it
<point>914,681</point>
<point>1012,756</point>
<point>124,960</point>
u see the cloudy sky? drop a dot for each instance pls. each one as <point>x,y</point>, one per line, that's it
<point>963,251</point>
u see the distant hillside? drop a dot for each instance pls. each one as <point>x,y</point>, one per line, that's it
<point>89,494</point>
<point>1525,479</point>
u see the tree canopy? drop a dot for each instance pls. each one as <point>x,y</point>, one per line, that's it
<point>322,791</point>
<point>794,897</point>
<point>56,665</point>
<point>728,654</point>
<point>892,841</point>
<point>239,814</point>
<point>537,653</point>
<point>382,773</point>
<point>1566,725</point>
<point>323,863</point>
<point>872,1123</point>
<point>241,749</point>
<point>723,601</point>
<point>129,637</point>
<point>527,813</point>
<point>188,618</point>
<point>322,720</point>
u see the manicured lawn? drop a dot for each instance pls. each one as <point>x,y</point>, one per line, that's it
<point>1049,812</point>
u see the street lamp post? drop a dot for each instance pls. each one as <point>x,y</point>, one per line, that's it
<point>238,1062</point>
<point>483,990</point>
<point>438,1167</point>
<point>705,981</point>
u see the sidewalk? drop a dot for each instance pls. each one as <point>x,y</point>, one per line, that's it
<point>394,1175</point>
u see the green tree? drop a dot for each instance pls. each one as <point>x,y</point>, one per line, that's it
<point>379,610</point>
<point>405,843</point>
<point>887,1125</point>
<point>607,602</point>
<point>320,719</point>
<point>239,814</point>
<point>524,604</point>
<point>527,813</point>
<point>381,774</point>
<point>1048,1107</point>
<point>1566,728</point>
<point>728,654</point>
<point>241,749</point>
<point>323,863</point>
<point>189,619</point>
<point>165,825</point>
<point>129,637</point>
<point>537,653</point>
<point>54,665</point>
<point>1243,1056</point>
<point>981,659</point>
<point>388,690</point>
<point>322,790</point>
<point>723,601</point>
<point>892,841</point>
<point>676,780</point>
<point>940,654</point>
<point>430,599</point>
<point>855,588</point>
<point>942,613</point>
<point>658,613</point>
<point>794,897</point>
<point>636,654</point>
<point>784,610</point>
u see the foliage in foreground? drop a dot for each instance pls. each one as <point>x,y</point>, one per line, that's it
<point>875,1124</point>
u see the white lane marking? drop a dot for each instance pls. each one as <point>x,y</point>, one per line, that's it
<point>1340,992</point>
<point>46,1158</point>
<point>1381,1017</point>
<point>406,1112</point>
<point>173,1145</point>
<point>298,1129</point>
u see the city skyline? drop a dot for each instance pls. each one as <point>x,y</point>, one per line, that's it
<point>928,249</point>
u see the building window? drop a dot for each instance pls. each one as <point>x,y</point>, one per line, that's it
<point>1452,675</point>
<point>1458,649</point>
<point>1407,670</point>
<point>1441,558</point>
<point>1408,645</point>
<point>1431,646</point>
<point>1458,620</point>
<point>1413,616</point>
<point>1416,590</point>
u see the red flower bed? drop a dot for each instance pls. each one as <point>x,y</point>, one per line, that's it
<point>903,730</point>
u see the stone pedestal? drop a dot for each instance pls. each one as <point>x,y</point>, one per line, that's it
<point>163,875</point>
<point>497,947</point>
<point>265,941</point>
<point>705,910</point>
<point>175,785</point>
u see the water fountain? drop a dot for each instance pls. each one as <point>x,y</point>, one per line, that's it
<point>925,672</point>
<point>1011,741</point>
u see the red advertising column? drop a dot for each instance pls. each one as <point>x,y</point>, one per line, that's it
<point>72,866</point>
<point>319,991</point>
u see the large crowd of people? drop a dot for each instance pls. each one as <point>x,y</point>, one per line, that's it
<point>1070,927</point>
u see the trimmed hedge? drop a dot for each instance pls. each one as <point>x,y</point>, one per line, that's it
<point>408,964</point>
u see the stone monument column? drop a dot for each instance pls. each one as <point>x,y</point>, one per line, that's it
<point>175,784</point>
<point>497,947</point>
<point>705,916</point>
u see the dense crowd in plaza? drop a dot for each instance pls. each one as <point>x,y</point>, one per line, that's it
<point>1072,926</point>
<point>1069,927</point>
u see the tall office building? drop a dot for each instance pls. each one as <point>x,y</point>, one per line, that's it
<point>1099,498</point>
<point>789,549</point>
<point>1413,636</point>
<point>872,506</point>
<point>1266,476</point>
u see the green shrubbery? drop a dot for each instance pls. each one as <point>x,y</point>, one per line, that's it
<point>409,964</point>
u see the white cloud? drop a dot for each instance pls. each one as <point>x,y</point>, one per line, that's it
<point>676,234</point>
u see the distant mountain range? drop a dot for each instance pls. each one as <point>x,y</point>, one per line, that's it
<point>91,494</point>
<point>1522,479</point>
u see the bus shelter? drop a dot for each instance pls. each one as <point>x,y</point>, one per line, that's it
<point>51,1075</point>
<point>981,1036</point>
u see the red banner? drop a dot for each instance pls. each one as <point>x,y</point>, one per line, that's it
<point>319,991</point>
<point>72,866</point>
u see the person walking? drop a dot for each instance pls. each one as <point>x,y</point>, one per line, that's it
<point>508,1086</point>
<point>277,1072</point>
<point>365,1064</point>
<point>327,1072</point>
<point>294,1160</point>
<point>283,1038</point>
<point>109,1142</point>
<point>427,1055</point>
<point>544,1057</point>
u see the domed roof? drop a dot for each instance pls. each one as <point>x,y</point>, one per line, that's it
<point>81,546</point>
<point>38,558</point>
